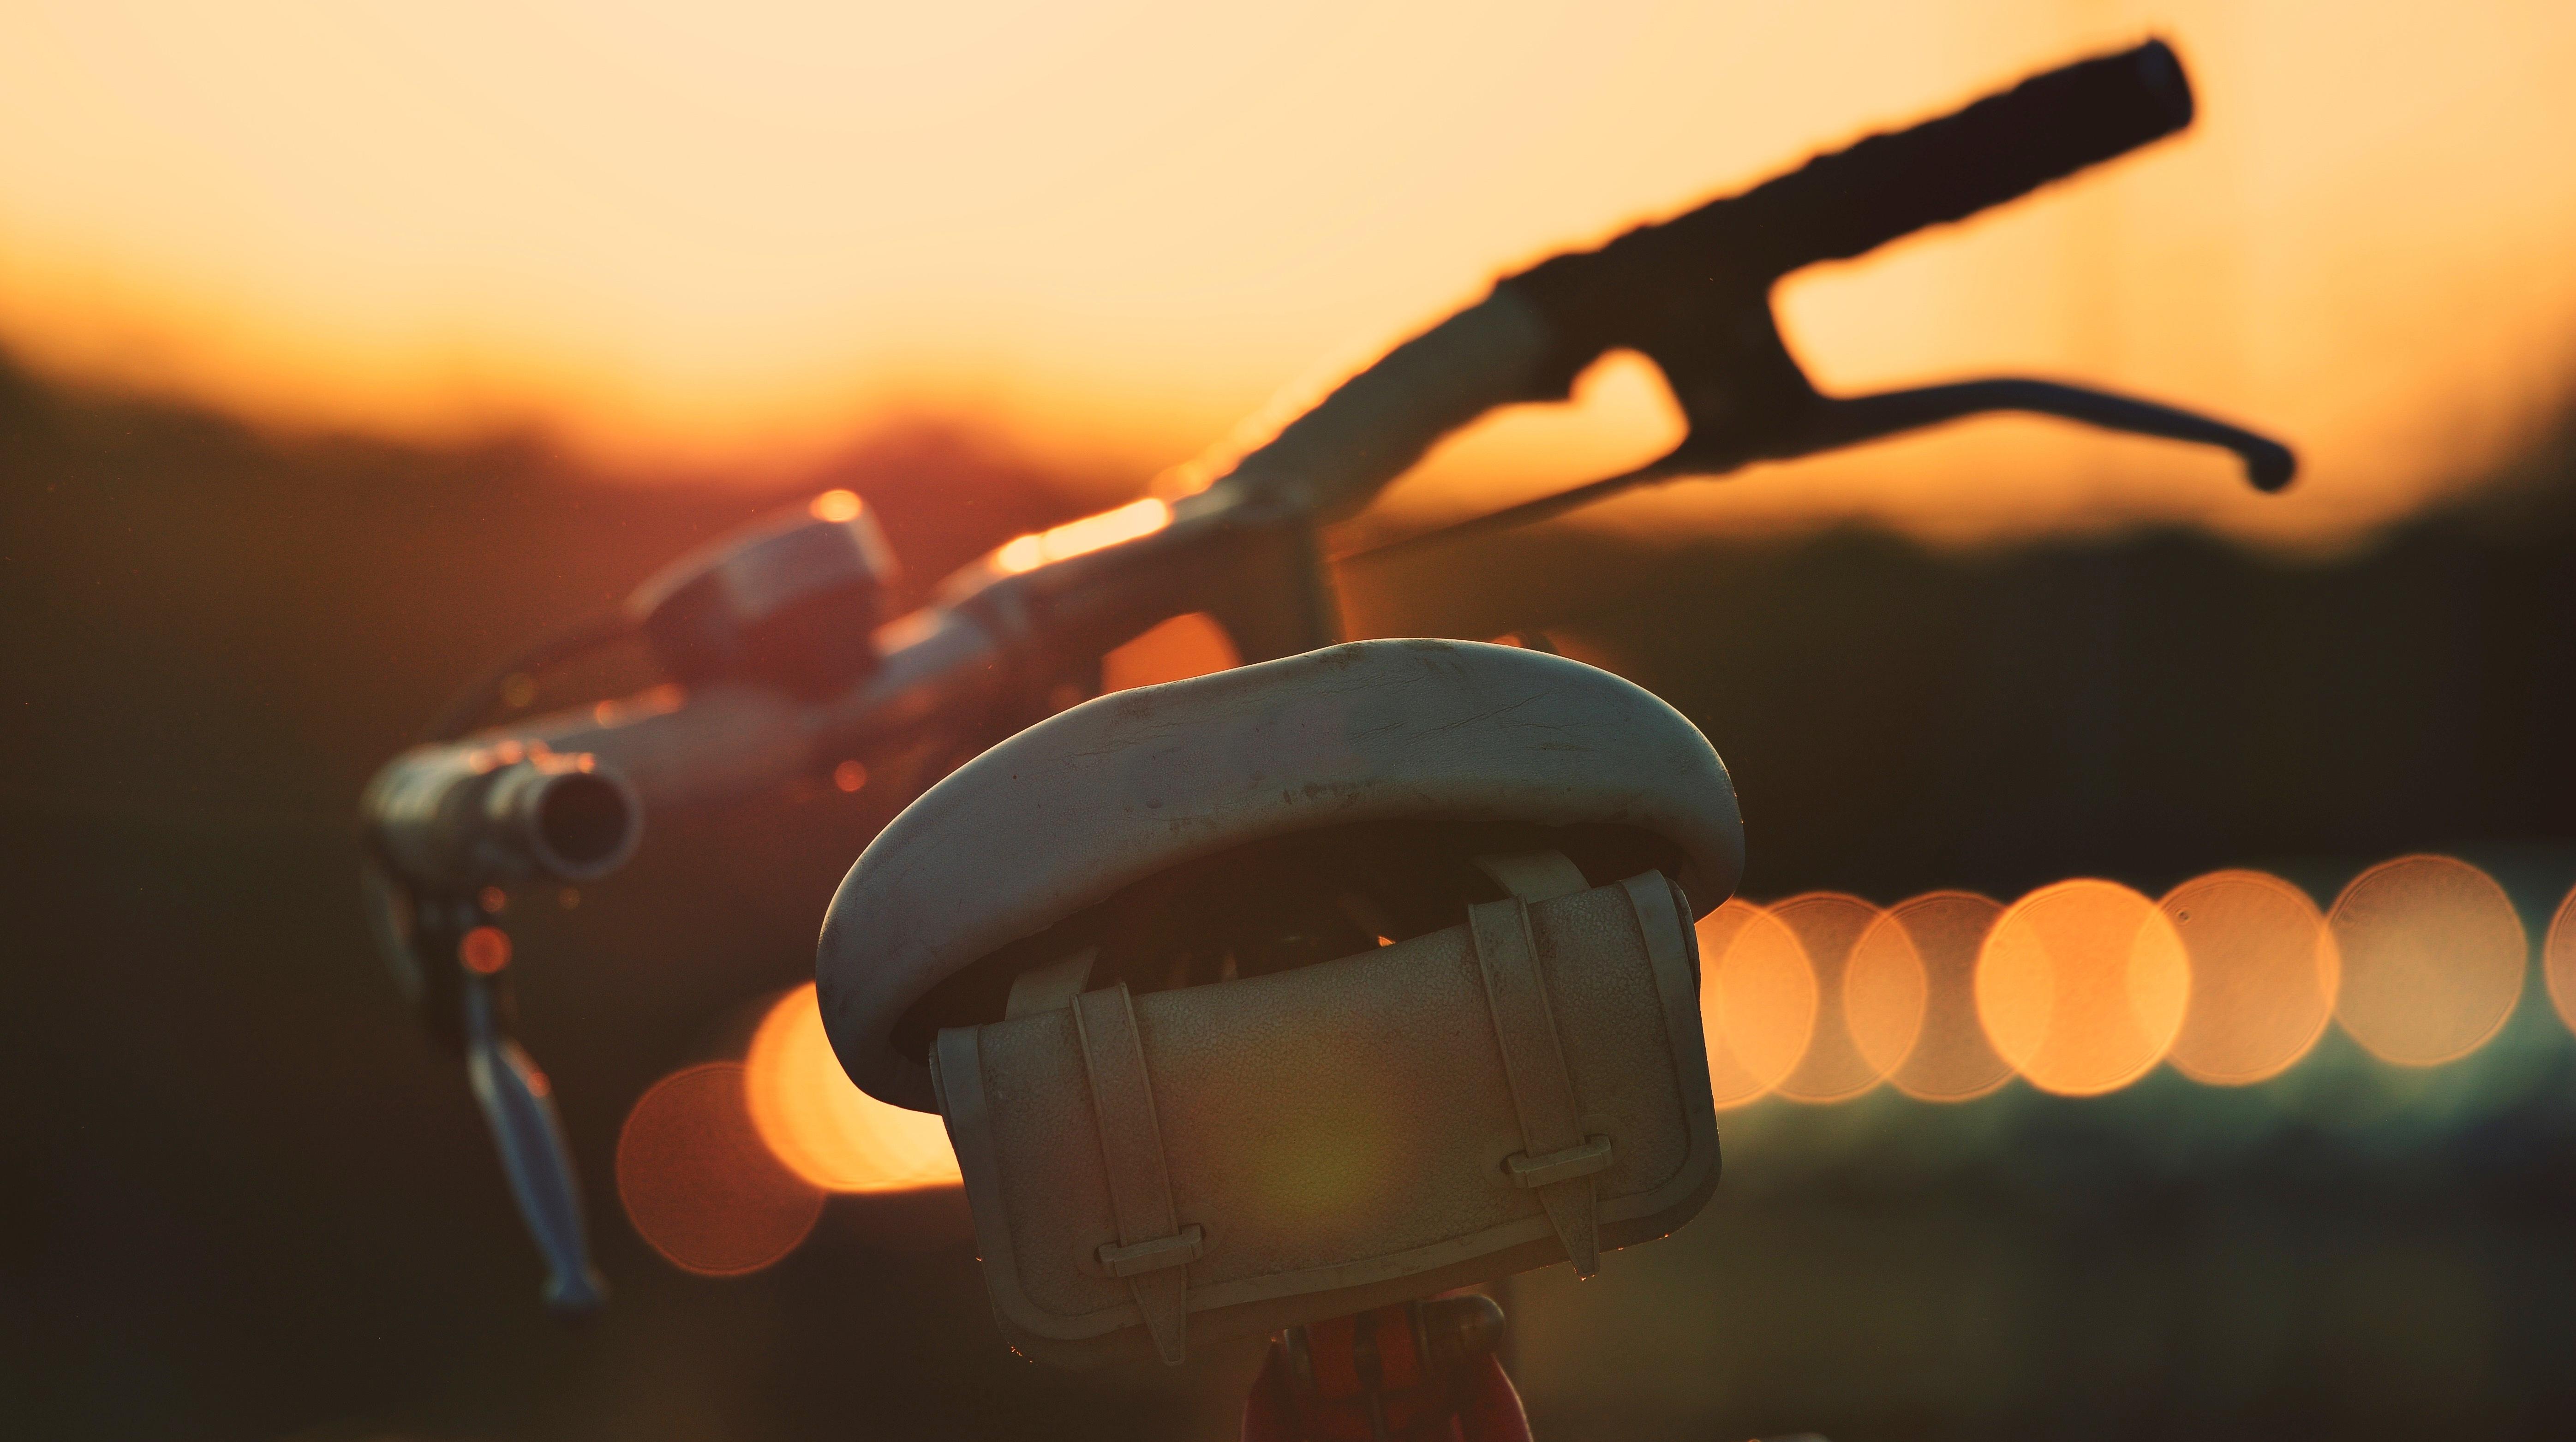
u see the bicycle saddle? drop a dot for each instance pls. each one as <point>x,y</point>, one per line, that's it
<point>1255,820</point>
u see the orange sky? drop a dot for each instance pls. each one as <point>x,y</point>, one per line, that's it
<point>742,235</point>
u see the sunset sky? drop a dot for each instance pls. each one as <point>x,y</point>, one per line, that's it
<point>737,237</point>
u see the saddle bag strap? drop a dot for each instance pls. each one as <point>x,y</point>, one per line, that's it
<point>1152,1246</point>
<point>1557,1160</point>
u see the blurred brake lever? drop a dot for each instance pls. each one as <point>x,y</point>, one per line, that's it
<point>453,963</point>
<point>519,1103</point>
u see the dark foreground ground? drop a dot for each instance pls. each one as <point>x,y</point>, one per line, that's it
<point>243,1197</point>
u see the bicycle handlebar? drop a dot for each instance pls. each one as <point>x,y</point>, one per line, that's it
<point>1334,459</point>
<point>1515,345</point>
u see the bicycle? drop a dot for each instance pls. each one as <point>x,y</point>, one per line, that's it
<point>784,664</point>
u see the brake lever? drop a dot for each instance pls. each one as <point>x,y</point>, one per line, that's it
<point>518,1102</point>
<point>1746,399</point>
<point>2269,465</point>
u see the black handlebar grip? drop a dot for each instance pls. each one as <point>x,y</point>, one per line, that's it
<point>2006,145</point>
<point>1854,200</point>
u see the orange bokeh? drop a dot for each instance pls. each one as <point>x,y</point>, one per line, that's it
<point>2082,986</point>
<point>485,950</point>
<point>823,1128</point>
<point>1828,924</point>
<point>1910,997</point>
<point>1757,1001</point>
<point>697,1183</point>
<point>2263,976</point>
<point>2559,960</point>
<point>2433,959</point>
<point>836,505</point>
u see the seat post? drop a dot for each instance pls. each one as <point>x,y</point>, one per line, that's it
<point>1422,1371</point>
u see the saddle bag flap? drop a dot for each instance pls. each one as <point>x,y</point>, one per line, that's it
<point>1151,1173</point>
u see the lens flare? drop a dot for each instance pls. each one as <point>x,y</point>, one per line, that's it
<point>2559,960</point>
<point>823,1128</point>
<point>2433,957</point>
<point>2263,976</point>
<point>698,1185</point>
<point>1757,1001</point>
<point>1910,997</point>
<point>1828,924</point>
<point>2082,986</point>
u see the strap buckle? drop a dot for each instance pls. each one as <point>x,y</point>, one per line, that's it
<point>1581,1160</point>
<point>1178,1250</point>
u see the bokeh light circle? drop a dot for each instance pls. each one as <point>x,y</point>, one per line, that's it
<point>1828,924</point>
<point>821,1126</point>
<point>2433,959</point>
<point>1910,997</point>
<point>1757,1001</point>
<point>2263,976</point>
<point>2082,986</point>
<point>699,1185</point>
<point>2558,960</point>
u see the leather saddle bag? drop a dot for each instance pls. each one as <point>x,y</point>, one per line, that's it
<point>1153,1172</point>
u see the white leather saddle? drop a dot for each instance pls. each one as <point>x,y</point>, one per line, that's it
<point>1300,989</point>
